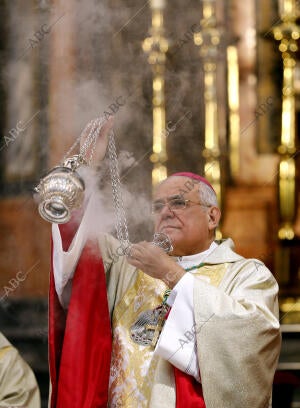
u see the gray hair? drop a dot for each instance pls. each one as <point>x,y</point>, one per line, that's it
<point>207,195</point>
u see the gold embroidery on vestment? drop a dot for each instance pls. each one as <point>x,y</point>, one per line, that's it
<point>133,365</point>
<point>215,273</point>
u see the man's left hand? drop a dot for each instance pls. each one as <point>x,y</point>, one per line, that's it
<point>153,261</point>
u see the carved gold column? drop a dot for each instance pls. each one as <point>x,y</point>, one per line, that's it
<point>208,39</point>
<point>156,47</point>
<point>233,110</point>
<point>287,32</point>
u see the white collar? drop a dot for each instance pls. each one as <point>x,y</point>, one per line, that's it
<point>193,260</point>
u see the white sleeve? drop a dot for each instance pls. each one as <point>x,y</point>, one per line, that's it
<point>177,342</point>
<point>64,262</point>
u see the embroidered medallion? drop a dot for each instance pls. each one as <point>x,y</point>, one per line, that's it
<point>148,326</point>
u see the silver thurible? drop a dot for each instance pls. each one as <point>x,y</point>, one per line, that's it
<point>60,191</point>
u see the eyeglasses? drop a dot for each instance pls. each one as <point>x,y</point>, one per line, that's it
<point>174,204</point>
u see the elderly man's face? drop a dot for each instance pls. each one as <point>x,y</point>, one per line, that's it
<point>191,229</point>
